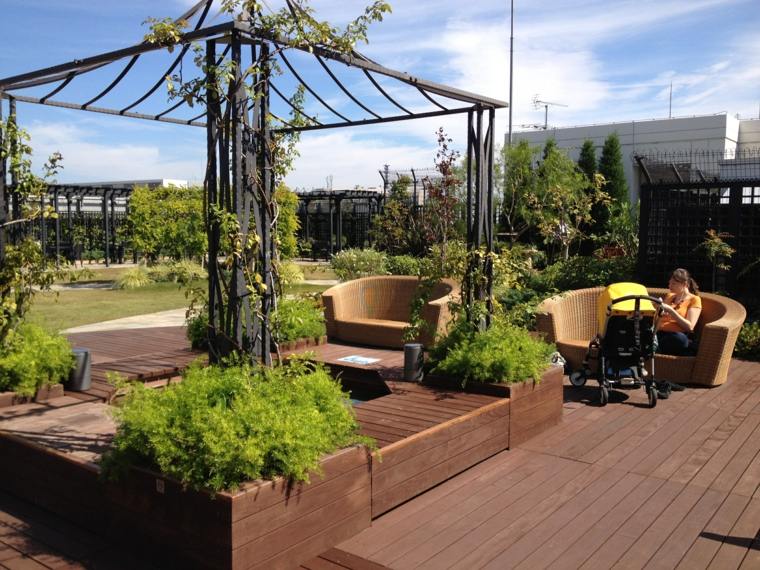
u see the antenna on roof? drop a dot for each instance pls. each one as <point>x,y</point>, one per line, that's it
<point>538,103</point>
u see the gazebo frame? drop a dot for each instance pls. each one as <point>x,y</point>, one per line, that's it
<point>239,171</point>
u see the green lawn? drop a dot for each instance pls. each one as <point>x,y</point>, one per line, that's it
<point>72,308</point>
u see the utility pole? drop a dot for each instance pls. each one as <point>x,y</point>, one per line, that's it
<point>511,63</point>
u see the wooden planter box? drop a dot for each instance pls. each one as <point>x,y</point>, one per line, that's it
<point>534,407</point>
<point>415,464</point>
<point>266,524</point>
<point>44,394</point>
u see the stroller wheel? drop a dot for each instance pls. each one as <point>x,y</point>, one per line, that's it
<point>578,378</point>
<point>652,394</point>
<point>604,395</point>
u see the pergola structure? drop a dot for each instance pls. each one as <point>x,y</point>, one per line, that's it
<point>240,128</point>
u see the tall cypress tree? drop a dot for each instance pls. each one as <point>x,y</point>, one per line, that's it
<point>587,159</point>
<point>600,214</point>
<point>611,167</point>
<point>550,146</point>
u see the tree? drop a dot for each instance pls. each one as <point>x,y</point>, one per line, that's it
<point>562,200</point>
<point>168,221</point>
<point>600,214</point>
<point>287,224</point>
<point>549,147</point>
<point>611,167</point>
<point>587,159</point>
<point>520,182</point>
<point>392,228</point>
<point>23,267</point>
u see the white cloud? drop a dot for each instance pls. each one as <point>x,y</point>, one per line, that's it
<point>85,159</point>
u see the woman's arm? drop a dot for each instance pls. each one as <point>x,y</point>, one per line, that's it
<point>690,322</point>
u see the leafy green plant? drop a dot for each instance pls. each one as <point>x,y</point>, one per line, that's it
<point>354,263</point>
<point>197,329</point>
<point>403,265</point>
<point>34,358</point>
<point>289,274</point>
<point>134,278</point>
<point>579,272</point>
<point>502,353</point>
<point>168,221</point>
<point>717,251</point>
<point>298,318</point>
<point>221,426</point>
<point>748,343</point>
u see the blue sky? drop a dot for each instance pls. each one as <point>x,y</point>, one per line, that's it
<point>607,61</point>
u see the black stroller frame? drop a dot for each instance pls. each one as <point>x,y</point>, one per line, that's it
<point>623,366</point>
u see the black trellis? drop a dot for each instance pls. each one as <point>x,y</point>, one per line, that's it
<point>685,194</point>
<point>331,220</point>
<point>240,169</point>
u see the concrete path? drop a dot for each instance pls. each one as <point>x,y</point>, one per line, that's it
<point>172,318</point>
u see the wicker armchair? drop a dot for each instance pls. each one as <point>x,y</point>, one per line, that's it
<point>376,310</point>
<point>569,320</point>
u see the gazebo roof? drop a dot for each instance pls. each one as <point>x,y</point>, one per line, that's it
<point>369,95</point>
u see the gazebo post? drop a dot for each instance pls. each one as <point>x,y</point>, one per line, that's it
<point>215,303</point>
<point>479,208</point>
<point>3,200</point>
<point>265,177</point>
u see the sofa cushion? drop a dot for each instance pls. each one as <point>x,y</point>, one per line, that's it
<point>376,332</point>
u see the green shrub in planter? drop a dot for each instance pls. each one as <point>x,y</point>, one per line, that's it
<point>503,353</point>
<point>221,427</point>
<point>403,265</point>
<point>354,263</point>
<point>34,358</point>
<point>748,343</point>
<point>298,318</point>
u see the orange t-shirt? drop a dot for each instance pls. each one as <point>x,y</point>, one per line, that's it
<point>667,322</point>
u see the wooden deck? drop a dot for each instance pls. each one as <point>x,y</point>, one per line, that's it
<point>616,487</point>
<point>152,355</point>
<point>623,486</point>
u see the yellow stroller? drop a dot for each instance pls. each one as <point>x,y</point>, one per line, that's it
<point>627,318</point>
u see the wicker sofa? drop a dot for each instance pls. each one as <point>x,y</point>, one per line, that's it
<point>376,310</point>
<point>569,320</point>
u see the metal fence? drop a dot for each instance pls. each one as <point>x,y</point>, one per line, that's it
<point>682,199</point>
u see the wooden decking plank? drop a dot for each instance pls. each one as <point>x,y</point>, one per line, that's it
<point>650,541</point>
<point>582,548</point>
<point>568,534</point>
<point>710,538</point>
<point>640,442</point>
<point>682,538</point>
<point>684,443</point>
<point>740,545</point>
<point>712,457</point>
<point>404,407</point>
<point>447,526</point>
<point>394,419</point>
<point>739,463</point>
<point>488,541</point>
<point>513,466</point>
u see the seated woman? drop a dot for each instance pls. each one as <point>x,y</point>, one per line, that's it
<point>681,309</point>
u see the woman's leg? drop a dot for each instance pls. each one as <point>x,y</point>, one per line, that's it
<point>675,343</point>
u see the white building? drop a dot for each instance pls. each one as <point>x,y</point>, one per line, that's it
<point>716,133</point>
